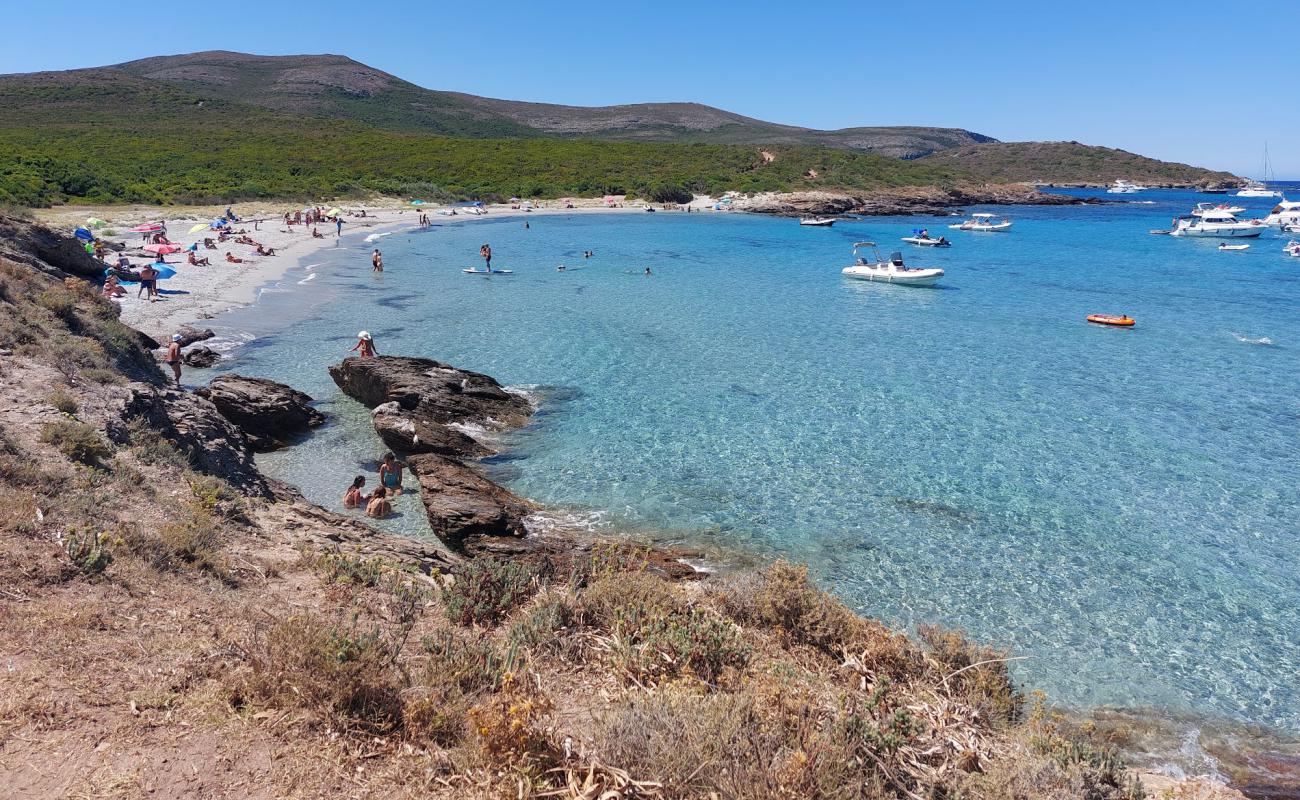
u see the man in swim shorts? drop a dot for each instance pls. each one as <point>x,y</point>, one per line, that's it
<point>174,356</point>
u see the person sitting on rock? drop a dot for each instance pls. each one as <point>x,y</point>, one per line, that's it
<point>390,474</point>
<point>353,497</point>
<point>378,507</point>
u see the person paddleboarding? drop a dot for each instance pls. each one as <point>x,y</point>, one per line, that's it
<point>486,252</point>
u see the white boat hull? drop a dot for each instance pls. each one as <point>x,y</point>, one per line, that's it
<point>927,242</point>
<point>1258,193</point>
<point>817,223</point>
<point>908,277</point>
<point>1243,231</point>
<point>1001,226</point>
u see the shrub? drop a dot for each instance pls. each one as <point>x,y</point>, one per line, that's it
<point>650,646</point>
<point>603,599</point>
<point>76,440</point>
<point>460,670</point>
<point>88,551</point>
<point>486,590</point>
<point>344,675</point>
<point>335,566</point>
<point>64,402</point>
<point>541,626</point>
<point>507,727</point>
<point>696,746</point>
<point>60,302</point>
<point>987,687</point>
<point>150,447</point>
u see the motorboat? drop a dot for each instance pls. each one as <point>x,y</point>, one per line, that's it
<point>1226,246</point>
<point>1284,214</point>
<point>1124,187</point>
<point>924,239</point>
<point>890,271</point>
<point>817,222</point>
<point>982,222</point>
<point>1201,208</point>
<point>1292,249</point>
<point>1217,224</point>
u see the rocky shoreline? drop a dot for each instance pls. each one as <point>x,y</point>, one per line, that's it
<point>902,201</point>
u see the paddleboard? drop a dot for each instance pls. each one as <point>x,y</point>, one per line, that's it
<point>486,272</point>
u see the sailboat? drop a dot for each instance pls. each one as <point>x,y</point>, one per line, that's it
<point>1259,188</point>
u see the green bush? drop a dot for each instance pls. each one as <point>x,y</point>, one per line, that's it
<point>88,550</point>
<point>486,590</point>
<point>64,402</point>
<point>76,440</point>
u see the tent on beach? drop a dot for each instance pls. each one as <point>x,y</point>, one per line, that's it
<point>84,235</point>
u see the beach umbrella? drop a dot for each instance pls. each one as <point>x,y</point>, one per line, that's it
<point>417,202</point>
<point>147,227</point>
<point>161,249</point>
<point>164,272</point>
<point>202,226</point>
<point>334,212</point>
<point>95,222</point>
<point>84,235</point>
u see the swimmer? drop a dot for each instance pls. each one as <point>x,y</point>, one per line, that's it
<point>353,497</point>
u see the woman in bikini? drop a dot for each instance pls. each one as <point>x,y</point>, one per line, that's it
<point>353,497</point>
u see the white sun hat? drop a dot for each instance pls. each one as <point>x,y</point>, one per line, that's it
<point>363,335</point>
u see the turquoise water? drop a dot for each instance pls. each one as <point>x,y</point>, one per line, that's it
<point>1121,505</point>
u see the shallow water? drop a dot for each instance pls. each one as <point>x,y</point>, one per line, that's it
<point>1121,505</point>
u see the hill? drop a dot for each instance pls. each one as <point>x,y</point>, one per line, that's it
<point>1070,163</point>
<point>214,127</point>
<point>337,87</point>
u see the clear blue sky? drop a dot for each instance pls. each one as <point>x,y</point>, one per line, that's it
<point>1201,82</point>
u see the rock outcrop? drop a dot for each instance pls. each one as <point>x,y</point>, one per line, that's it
<point>405,432</point>
<point>430,390</point>
<point>901,201</point>
<point>463,506</point>
<point>417,405</point>
<point>270,414</point>
<point>200,357</point>
<point>212,443</point>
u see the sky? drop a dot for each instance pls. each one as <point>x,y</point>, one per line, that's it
<point>1207,83</point>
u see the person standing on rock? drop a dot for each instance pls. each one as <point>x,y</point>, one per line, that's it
<point>377,259</point>
<point>365,346</point>
<point>174,357</point>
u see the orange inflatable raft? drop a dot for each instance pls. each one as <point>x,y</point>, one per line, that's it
<point>1107,319</point>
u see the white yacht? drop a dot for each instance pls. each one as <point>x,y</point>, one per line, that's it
<point>817,222</point>
<point>891,271</point>
<point>1285,214</point>
<point>1124,187</point>
<point>1217,224</point>
<point>1202,208</point>
<point>1259,188</point>
<point>982,222</point>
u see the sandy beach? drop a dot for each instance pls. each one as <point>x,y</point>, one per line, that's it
<point>197,294</point>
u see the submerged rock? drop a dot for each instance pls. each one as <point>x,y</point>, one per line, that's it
<point>269,413</point>
<point>463,506</point>
<point>200,357</point>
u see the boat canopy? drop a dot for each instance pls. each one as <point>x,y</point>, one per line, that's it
<point>864,244</point>
<point>984,215</point>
